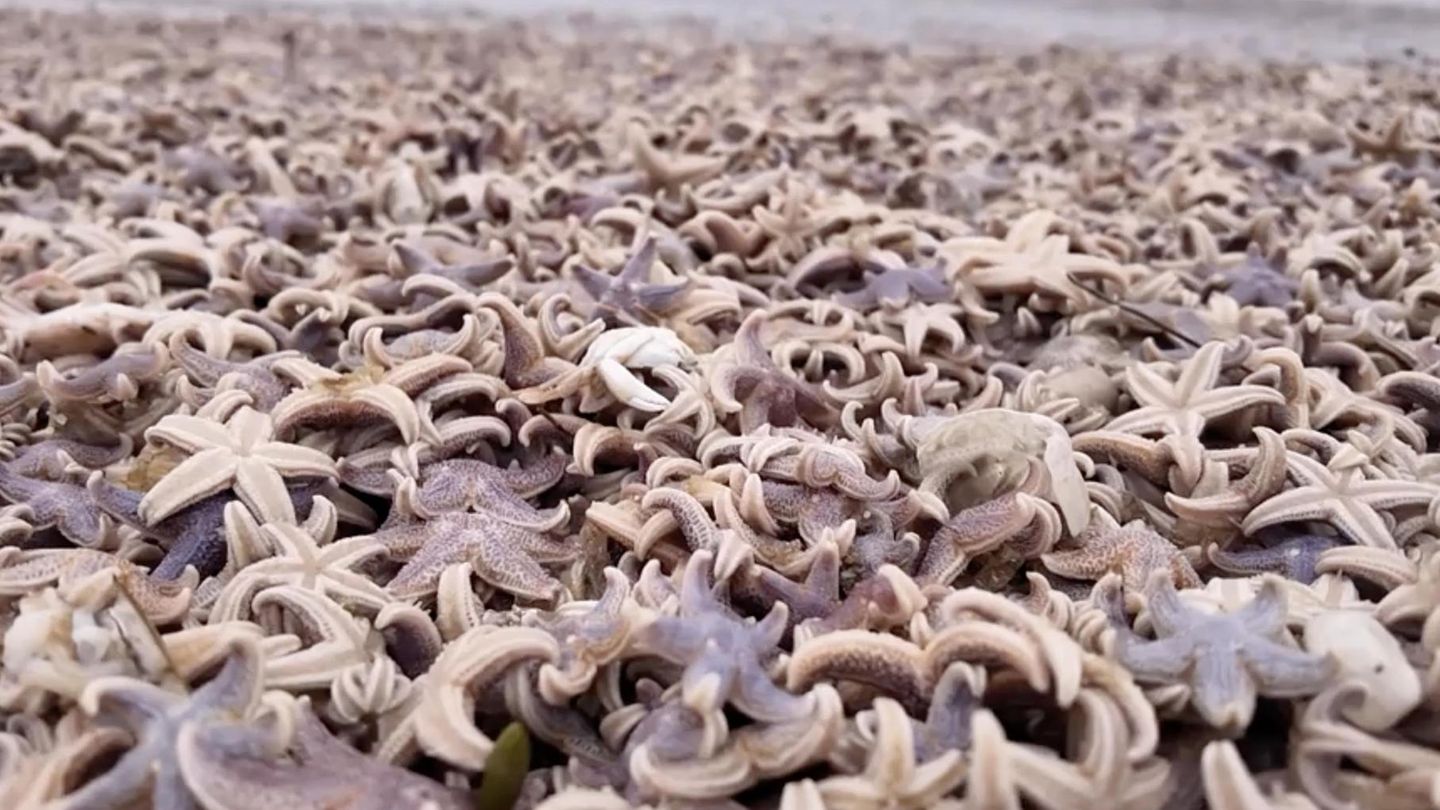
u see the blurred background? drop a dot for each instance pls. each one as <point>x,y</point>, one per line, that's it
<point>1325,29</point>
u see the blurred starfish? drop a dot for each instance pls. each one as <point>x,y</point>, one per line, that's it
<point>629,298</point>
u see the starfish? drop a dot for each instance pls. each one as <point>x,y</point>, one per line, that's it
<point>67,507</point>
<point>502,554</point>
<point>234,767</point>
<point>51,459</point>
<point>255,377</point>
<point>526,362</point>
<point>629,298</point>
<point>307,557</point>
<point>1227,659</point>
<point>1225,509</point>
<point>117,377</point>
<point>973,532</point>
<point>752,384</point>
<point>158,719</point>
<point>1048,268</point>
<point>893,289</point>
<point>242,454</point>
<point>362,397</point>
<point>1342,497</point>
<point>323,641</point>
<point>895,776</point>
<point>163,602</point>
<point>1185,406</point>
<point>1256,281</point>
<point>1133,551</point>
<point>1295,558</point>
<point>464,483</point>
<point>724,657</point>
<point>473,275</point>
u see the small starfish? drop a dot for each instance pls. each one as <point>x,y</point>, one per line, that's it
<point>52,459</point>
<point>241,454</point>
<point>474,276</point>
<point>1185,406</point>
<point>158,719</point>
<point>1227,659</point>
<point>502,554</point>
<point>752,384</point>
<point>629,298</point>
<point>465,483</point>
<point>362,397</point>
<point>67,507</point>
<point>895,775</point>
<point>1133,551</point>
<point>1295,558</point>
<point>1256,281</point>
<point>309,558</point>
<point>1342,497</point>
<point>1225,509</point>
<point>325,639</point>
<point>254,377</point>
<point>117,377</point>
<point>234,767</point>
<point>895,288</point>
<point>723,655</point>
<point>1048,268</point>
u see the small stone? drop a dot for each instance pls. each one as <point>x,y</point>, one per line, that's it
<point>1368,653</point>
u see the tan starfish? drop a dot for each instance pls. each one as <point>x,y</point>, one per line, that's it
<point>365,396</point>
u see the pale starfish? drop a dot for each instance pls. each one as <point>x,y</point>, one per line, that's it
<point>365,396</point>
<point>463,483</point>
<point>308,557</point>
<point>1342,497</point>
<point>242,454</point>
<point>1184,407</point>
<point>161,601</point>
<point>629,297</point>
<point>761,392</point>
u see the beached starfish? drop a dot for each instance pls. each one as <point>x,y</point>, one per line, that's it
<point>1185,406</point>
<point>1342,497</point>
<point>237,767</point>
<point>163,602</point>
<point>242,454</point>
<point>459,484</point>
<point>66,506</point>
<point>752,384</point>
<point>895,288</point>
<point>724,656</point>
<point>308,557</point>
<point>973,532</point>
<point>1134,551</point>
<point>507,556</point>
<point>1295,558</point>
<point>362,397</point>
<point>629,298</point>
<point>158,719</point>
<point>1226,659</point>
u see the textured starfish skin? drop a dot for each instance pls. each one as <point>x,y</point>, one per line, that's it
<point>1133,551</point>
<point>1294,559</point>
<point>1185,406</point>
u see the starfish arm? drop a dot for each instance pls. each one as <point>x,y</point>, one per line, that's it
<point>199,476</point>
<point>1285,672</point>
<point>1162,661</point>
<point>1222,690</point>
<point>262,489</point>
<point>190,433</point>
<point>499,561</point>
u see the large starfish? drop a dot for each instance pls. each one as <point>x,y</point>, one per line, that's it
<point>242,454</point>
<point>1226,659</point>
<point>507,556</point>
<point>459,484</point>
<point>235,767</point>
<point>1341,496</point>
<point>1183,407</point>
<point>157,719</point>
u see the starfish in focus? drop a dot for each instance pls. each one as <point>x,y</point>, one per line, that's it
<point>463,483</point>
<point>1184,407</point>
<point>362,397</point>
<point>308,557</point>
<point>1343,497</point>
<point>242,454</point>
<point>507,556</point>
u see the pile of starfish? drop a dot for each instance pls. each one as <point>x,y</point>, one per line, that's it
<point>808,425</point>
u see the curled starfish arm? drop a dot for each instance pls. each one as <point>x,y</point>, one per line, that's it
<point>1284,671</point>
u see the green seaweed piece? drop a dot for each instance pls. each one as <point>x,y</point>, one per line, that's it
<point>505,770</point>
